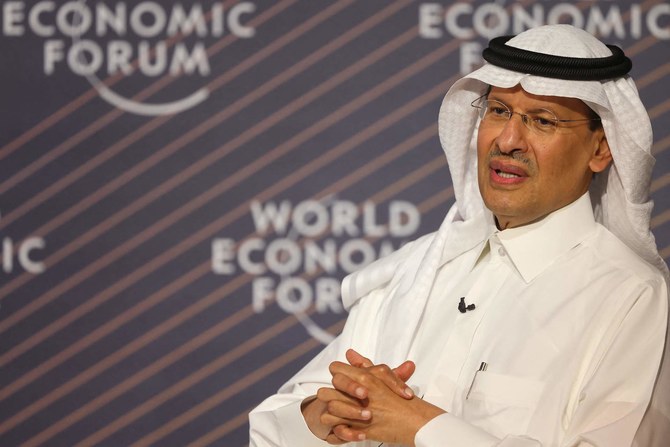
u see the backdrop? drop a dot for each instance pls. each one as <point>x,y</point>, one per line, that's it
<point>183,184</point>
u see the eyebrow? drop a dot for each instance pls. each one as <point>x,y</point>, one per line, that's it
<point>533,110</point>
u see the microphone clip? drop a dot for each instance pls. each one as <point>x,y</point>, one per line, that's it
<point>462,307</point>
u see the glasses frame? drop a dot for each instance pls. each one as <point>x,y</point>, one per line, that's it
<point>525,118</point>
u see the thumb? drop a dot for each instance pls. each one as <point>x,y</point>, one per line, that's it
<point>405,370</point>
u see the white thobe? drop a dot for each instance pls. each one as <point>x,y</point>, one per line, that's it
<point>570,322</point>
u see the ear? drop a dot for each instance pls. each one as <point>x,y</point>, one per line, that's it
<point>601,156</point>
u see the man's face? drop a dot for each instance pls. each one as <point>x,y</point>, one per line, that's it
<point>523,175</point>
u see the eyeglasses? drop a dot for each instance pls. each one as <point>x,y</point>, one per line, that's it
<point>542,122</point>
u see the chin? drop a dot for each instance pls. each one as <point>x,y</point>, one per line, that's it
<point>500,203</point>
<point>509,210</point>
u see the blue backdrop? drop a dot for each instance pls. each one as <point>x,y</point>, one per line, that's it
<point>184,184</point>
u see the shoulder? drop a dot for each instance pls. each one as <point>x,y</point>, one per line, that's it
<point>381,272</point>
<point>609,251</point>
<point>614,287</point>
<point>619,275</point>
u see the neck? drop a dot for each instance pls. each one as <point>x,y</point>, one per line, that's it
<point>503,222</point>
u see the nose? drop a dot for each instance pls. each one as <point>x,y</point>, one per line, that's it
<point>512,136</point>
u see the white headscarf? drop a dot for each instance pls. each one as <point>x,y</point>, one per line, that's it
<point>620,196</point>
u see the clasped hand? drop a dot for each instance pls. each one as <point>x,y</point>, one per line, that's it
<point>368,402</point>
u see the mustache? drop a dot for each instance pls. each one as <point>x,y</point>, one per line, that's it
<point>514,155</point>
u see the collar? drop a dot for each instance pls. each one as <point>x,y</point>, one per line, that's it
<point>466,235</point>
<point>534,247</point>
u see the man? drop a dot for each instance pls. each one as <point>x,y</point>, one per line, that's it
<point>537,314</point>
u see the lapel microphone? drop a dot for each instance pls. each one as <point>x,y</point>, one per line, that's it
<point>462,307</point>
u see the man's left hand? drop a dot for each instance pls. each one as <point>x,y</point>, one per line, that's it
<point>394,419</point>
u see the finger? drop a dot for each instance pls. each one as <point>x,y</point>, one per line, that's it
<point>355,359</point>
<point>357,374</point>
<point>329,420</point>
<point>326,395</point>
<point>334,440</point>
<point>405,370</point>
<point>391,380</point>
<point>348,433</point>
<point>349,386</point>
<point>345,410</point>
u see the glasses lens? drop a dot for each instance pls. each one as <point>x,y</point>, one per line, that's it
<point>496,111</point>
<point>542,122</point>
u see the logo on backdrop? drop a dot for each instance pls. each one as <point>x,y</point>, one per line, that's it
<point>129,38</point>
<point>465,21</point>
<point>21,254</point>
<point>300,251</point>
